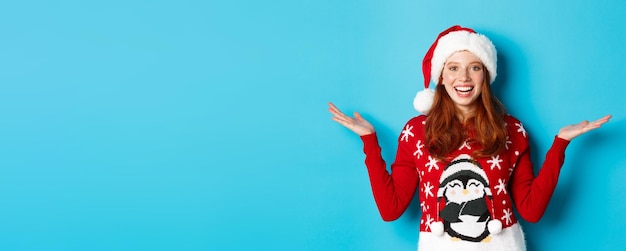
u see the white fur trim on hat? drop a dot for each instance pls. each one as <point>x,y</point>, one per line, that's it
<point>477,44</point>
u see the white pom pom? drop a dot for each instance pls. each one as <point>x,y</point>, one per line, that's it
<point>494,226</point>
<point>436,227</point>
<point>424,100</point>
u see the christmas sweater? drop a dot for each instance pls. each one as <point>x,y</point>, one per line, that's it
<point>466,203</point>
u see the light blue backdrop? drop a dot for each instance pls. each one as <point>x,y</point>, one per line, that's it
<point>202,125</point>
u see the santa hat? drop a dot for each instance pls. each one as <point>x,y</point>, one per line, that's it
<point>455,38</point>
<point>464,165</point>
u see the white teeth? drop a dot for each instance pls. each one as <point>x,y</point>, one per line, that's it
<point>464,88</point>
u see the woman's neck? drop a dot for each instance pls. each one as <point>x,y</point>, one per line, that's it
<point>464,113</point>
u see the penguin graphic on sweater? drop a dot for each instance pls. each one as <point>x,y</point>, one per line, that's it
<point>464,188</point>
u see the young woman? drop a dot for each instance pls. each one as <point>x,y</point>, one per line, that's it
<point>468,160</point>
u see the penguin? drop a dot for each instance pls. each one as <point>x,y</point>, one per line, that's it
<point>465,190</point>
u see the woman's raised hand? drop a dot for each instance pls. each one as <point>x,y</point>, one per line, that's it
<point>357,124</point>
<point>572,131</point>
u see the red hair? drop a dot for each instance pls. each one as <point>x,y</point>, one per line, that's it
<point>445,132</point>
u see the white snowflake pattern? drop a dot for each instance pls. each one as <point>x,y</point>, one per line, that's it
<point>466,145</point>
<point>429,220</point>
<point>495,162</point>
<point>406,133</point>
<point>521,129</point>
<point>424,206</point>
<point>432,162</point>
<point>419,152</point>
<point>428,190</point>
<point>507,143</point>
<point>507,216</point>
<point>501,187</point>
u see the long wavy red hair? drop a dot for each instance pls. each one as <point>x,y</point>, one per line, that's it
<point>445,132</point>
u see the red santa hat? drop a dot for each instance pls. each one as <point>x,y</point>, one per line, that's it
<point>455,38</point>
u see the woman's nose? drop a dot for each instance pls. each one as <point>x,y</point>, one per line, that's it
<point>464,75</point>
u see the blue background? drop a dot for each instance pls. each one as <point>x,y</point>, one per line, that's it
<point>202,125</point>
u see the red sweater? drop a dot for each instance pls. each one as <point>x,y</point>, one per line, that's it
<point>500,181</point>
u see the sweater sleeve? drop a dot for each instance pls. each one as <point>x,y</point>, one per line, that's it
<point>532,194</point>
<point>392,192</point>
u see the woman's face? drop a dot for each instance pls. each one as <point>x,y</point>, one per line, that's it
<point>463,76</point>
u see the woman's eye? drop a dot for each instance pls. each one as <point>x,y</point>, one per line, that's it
<point>453,68</point>
<point>476,68</point>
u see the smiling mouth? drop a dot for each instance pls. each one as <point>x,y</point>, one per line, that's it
<point>464,89</point>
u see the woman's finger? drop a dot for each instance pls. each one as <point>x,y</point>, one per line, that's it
<point>597,123</point>
<point>343,122</point>
<point>334,108</point>
<point>358,116</point>
<point>602,120</point>
<point>335,111</point>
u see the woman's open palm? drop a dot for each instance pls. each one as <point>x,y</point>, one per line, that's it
<point>572,131</point>
<point>356,124</point>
